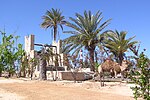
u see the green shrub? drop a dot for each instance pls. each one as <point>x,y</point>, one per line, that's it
<point>141,78</point>
<point>10,52</point>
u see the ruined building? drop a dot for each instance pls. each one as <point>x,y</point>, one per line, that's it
<point>32,53</point>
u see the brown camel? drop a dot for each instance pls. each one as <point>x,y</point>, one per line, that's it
<point>113,67</point>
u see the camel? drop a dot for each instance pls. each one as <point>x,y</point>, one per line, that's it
<point>113,67</point>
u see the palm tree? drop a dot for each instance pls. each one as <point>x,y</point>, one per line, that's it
<point>118,44</point>
<point>42,64</point>
<point>52,19</point>
<point>86,33</point>
<point>44,56</point>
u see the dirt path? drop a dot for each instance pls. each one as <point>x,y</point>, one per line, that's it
<point>46,90</point>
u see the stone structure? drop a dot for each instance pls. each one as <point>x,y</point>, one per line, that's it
<point>29,46</point>
<point>57,50</point>
<point>31,53</point>
<point>61,72</point>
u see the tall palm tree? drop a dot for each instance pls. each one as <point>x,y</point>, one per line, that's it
<point>42,64</point>
<point>86,33</point>
<point>52,19</point>
<point>118,44</point>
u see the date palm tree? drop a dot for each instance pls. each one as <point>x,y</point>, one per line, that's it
<point>118,44</point>
<point>86,33</point>
<point>52,19</point>
<point>42,64</point>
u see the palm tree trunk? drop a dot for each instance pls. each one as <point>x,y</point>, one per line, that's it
<point>120,59</point>
<point>91,52</point>
<point>96,57</point>
<point>56,66</point>
<point>31,72</point>
<point>42,68</point>
<point>55,33</point>
<point>0,73</point>
<point>24,73</point>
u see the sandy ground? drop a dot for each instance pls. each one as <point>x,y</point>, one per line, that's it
<point>24,89</point>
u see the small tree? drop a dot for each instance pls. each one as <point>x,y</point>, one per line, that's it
<point>32,63</point>
<point>141,78</point>
<point>9,53</point>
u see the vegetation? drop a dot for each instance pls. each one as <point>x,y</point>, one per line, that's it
<point>118,44</point>
<point>10,53</point>
<point>24,66</point>
<point>52,19</point>
<point>43,64</point>
<point>86,33</point>
<point>43,58</point>
<point>141,78</point>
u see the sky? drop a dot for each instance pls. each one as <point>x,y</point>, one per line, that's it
<point>23,17</point>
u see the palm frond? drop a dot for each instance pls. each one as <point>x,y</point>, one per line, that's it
<point>52,19</point>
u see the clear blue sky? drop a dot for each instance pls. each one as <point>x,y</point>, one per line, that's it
<point>25,16</point>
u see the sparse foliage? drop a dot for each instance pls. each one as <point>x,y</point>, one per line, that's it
<point>141,78</point>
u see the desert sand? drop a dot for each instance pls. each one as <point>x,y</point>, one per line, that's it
<point>26,89</point>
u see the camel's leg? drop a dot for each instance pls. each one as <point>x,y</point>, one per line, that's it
<point>101,76</point>
<point>100,79</point>
<point>122,76</point>
<point>115,74</point>
<point>112,73</point>
<point>103,80</point>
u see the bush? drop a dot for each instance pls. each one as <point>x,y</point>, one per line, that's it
<point>9,52</point>
<point>141,78</point>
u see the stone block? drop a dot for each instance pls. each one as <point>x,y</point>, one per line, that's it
<point>78,76</point>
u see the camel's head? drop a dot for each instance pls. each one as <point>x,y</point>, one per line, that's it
<point>124,65</point>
